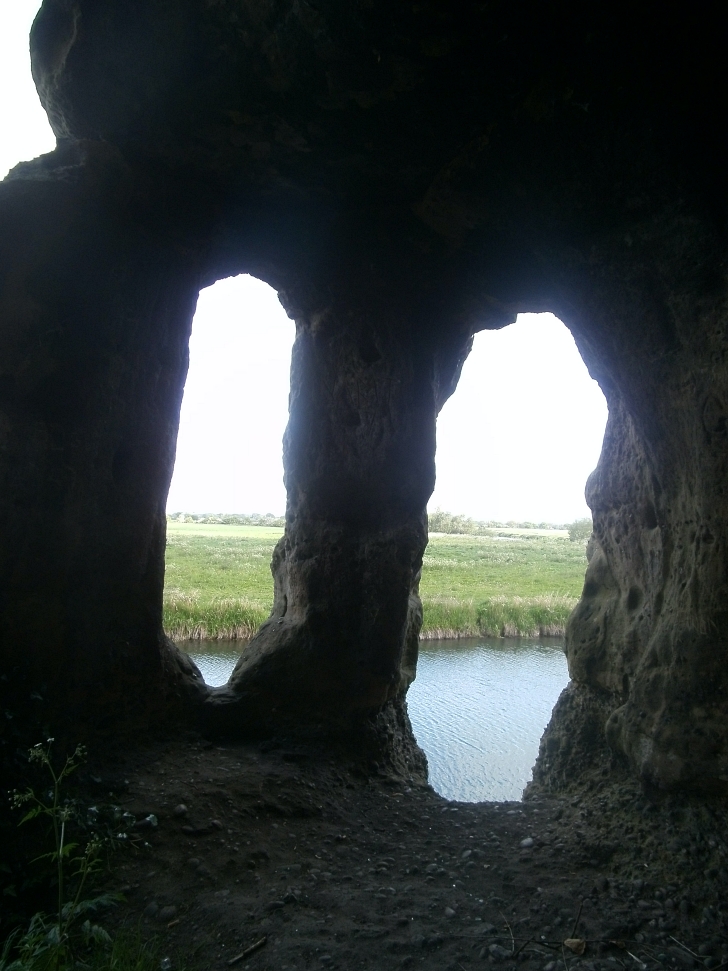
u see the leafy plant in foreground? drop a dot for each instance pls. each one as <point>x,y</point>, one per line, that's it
<point>49,942</point>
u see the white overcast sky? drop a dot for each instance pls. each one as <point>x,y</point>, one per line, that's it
<point>516,441</point>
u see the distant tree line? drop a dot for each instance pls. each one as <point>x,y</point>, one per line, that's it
<point>228,519</point>
<point>448,522</point>
<point>439,522</point>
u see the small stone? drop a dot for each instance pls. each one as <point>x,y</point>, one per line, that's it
<point>431,868</point>
<point>527,843</point>
<point>180,810</point>
<point>466,854</point>
<point>216,824</point>
<point>193,862</point>
<point>149,822</point>
<point>325,959</point>
<point>498,952</point>
<point>168,913</point>
<point>152,909</point>
<point>449,912</point>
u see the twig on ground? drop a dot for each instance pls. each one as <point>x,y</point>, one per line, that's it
<point>576,922</point>
<point>248,951</point>
<point>683,946</point>
<point>641,963</point>
<point>513,940</point>
<point>524,945</point>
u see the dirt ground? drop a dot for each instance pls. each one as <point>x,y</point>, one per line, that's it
<point>285,847</point>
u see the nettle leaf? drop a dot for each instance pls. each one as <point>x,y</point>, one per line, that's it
<point>102,902</point>
<point>94,933</point>
<point>31,814</point>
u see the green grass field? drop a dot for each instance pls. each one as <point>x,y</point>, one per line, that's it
<point>219,585</point>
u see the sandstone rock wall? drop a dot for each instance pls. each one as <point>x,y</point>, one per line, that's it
<point>404,175</point>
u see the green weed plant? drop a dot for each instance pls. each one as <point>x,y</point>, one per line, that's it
<point>52,942</point>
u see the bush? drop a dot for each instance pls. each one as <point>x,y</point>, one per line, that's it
<point>580,530</point>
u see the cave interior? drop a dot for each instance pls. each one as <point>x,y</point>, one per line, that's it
<point>404,175</point>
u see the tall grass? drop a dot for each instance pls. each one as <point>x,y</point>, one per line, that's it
<point>219,585</point>
<point>499,616</point>
<point>193,618</point>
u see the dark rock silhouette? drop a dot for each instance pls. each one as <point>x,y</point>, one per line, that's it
<point>403,175</point>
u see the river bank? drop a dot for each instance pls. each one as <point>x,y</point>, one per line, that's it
<point>219,586</point>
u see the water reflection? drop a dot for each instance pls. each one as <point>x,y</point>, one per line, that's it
<point>478,707</point>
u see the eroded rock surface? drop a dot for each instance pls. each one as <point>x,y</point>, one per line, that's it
<point>404,175</point>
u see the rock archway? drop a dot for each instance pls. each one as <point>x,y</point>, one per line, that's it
<point>403,176</point>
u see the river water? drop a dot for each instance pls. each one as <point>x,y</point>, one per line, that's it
<point>478,707</point>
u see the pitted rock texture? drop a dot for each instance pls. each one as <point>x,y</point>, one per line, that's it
<point>404,175</point>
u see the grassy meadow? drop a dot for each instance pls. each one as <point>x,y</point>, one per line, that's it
<point>511,582</point>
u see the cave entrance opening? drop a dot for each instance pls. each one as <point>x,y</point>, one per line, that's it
<point>227,499</point>
<point>515,445</point>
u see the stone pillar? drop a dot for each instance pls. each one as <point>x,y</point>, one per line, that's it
<point>647,644</point>
<point>93,354</point>
<point>341,641</point>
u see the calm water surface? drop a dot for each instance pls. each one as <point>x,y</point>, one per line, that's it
<point>479,707</point>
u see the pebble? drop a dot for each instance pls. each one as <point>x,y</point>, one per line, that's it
<point>149,822</point>
<point>527,843</point>
<point>449,912</point>
<point>152,909</point>
<point>168,913</point>
<point>180,810</point>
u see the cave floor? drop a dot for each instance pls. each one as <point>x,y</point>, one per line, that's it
<point>283,844</point>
